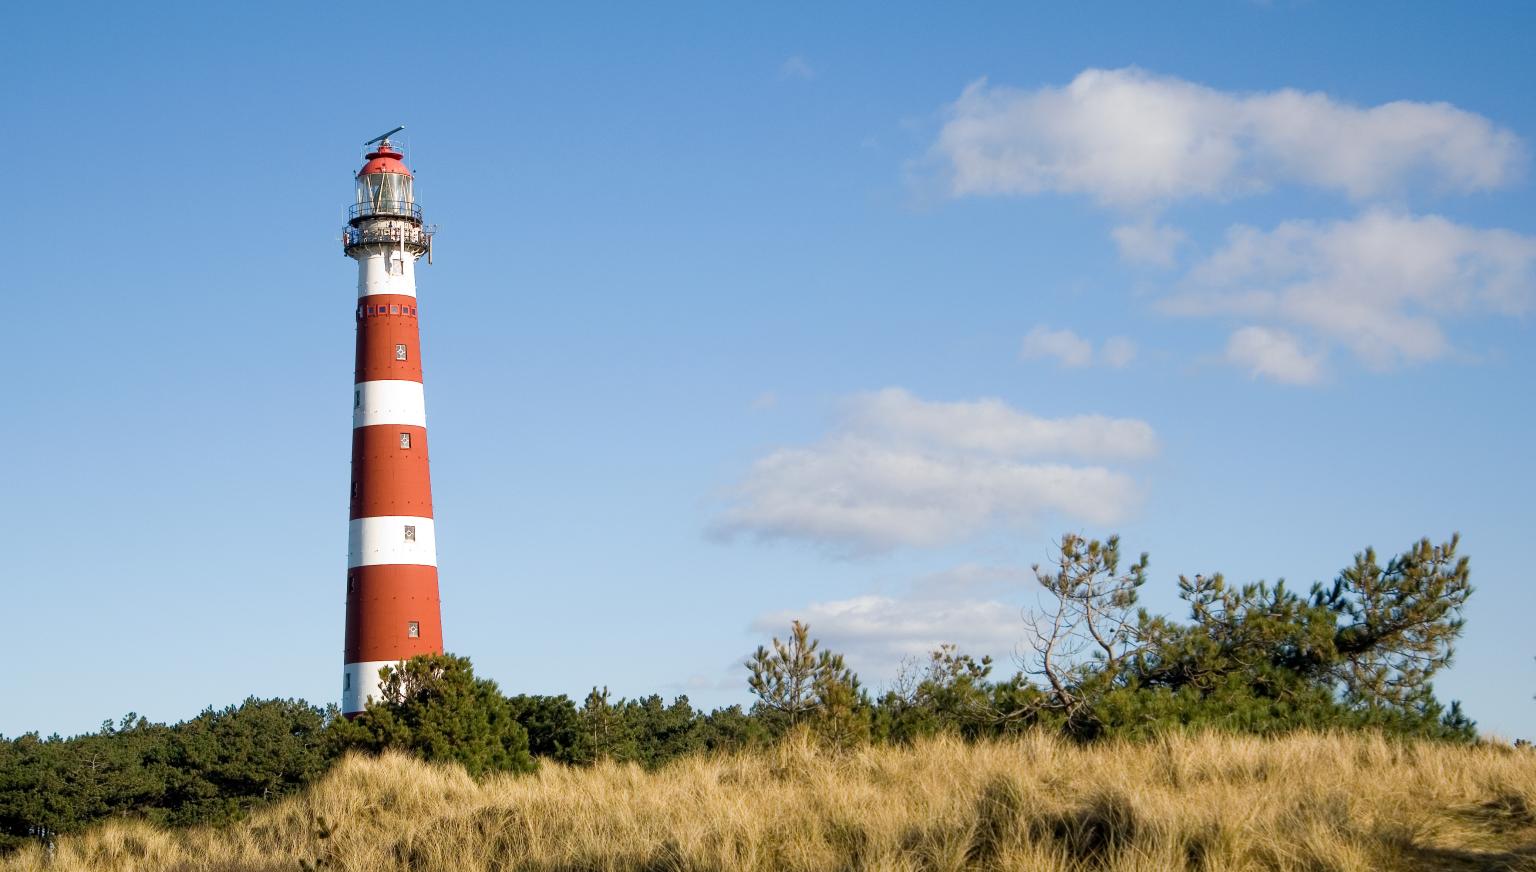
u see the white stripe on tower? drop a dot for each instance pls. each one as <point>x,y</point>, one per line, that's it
<point>389,401</point>
<point>390,540</point>
<point>360,681</point>
<point>386,271</point>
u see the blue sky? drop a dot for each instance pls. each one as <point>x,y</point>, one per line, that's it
<point>745,314</point>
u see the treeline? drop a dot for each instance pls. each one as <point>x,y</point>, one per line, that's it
<point>210,769</point>
<point>1255,658</point>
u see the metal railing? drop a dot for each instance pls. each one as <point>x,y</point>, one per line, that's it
<point>385,209</point>
<point>416,238</point>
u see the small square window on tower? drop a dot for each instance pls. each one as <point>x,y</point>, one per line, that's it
<point>346,681</point>
<point>400,351</point>
<point>410,532</point>
<point>405,440</point>
<point>357,399</point>
<point>413,630</point>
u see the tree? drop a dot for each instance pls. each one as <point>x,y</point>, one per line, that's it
<point>785,679</point>
<point>1262,658</point>
<point>949,693</point>
<point>731,729</point>
<point>1399,624</point>
<point>223,762</point>
<point>433,706</point>
<point>603,728</point>
<point>553,725</point>
<point>795,684</point>
<point>210,769</point>
<point>1085,629</point>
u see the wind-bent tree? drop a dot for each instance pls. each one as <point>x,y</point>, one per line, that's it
<point>1085,628</point>
<point>1261,658</point>
<point>1399,623</point>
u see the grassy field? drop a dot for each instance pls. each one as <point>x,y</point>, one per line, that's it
<point>1307,802</point>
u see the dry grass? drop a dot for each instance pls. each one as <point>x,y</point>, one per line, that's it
<point>1307,802</point>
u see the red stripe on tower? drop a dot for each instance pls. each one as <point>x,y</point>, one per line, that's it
<point>393,612</point>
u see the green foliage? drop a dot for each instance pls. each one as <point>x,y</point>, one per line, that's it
<point>553,727</point>
<point>603,729</point>
<point>651,732</point>
<point>210,769</point>
<point>785,678</point>
<point>1257,657</point>
<point>225,761</point>
<point>796,685</point>
<point>433,706</point>
<point>1398,623</point>
<point>732,729</point>
<point>950,695</point>
<point>658,733</point>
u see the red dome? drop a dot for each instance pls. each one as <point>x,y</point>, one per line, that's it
<point>385,160</point>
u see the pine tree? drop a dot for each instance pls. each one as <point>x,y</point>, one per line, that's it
<point>798,685</point>
<point>433,706</point>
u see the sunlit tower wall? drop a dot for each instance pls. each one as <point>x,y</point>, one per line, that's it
<point>393,611</point>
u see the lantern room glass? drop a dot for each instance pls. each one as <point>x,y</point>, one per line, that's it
<point>384,194</point>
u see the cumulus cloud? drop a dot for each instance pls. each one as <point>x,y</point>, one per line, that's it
<point>1378,284</point>
<point>1129,138</point>
<point>1071,350</point>
<point>1148,243</point>
<point>877,632</point>
<point>1274,354</point>
<point>898,470</point>
<point>1068,348</point>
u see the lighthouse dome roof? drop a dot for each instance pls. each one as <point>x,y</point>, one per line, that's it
<point>385,160</point>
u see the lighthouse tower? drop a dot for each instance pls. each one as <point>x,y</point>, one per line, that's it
<point>392,604</point>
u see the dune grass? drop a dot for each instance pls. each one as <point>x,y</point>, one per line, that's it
<point>1303,802</point>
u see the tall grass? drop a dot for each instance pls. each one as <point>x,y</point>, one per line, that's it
<point>1304,802</point>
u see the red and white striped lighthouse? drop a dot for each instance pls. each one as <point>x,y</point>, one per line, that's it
<point>392,604</point>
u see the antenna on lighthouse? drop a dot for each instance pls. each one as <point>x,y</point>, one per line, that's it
<point>384,136</point>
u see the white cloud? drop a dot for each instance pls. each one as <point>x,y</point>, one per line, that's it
<point>1072,350</point>
<point>1067,347</point>
<point>991,427</point>
<point>1149,243</point>
<point>1128,138</point>
<point>1274,354</point>
<point>876,632</point>
<point>1378,284</point>
<point>796,67</point>
<point>899,470</point>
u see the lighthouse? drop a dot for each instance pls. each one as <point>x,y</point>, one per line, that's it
<point>393,611</point>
